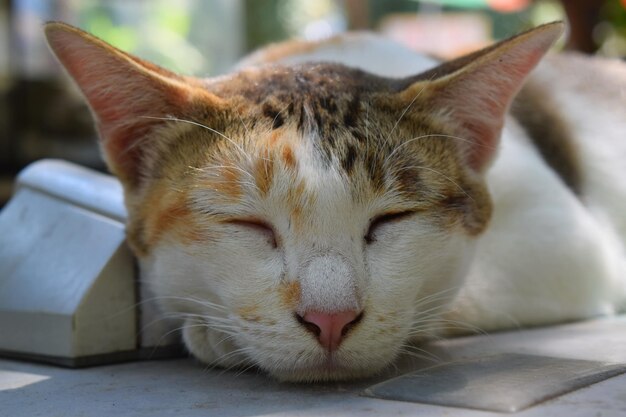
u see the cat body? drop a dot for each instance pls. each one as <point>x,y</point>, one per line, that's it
<point>329,203</point>
<point>555,249</point>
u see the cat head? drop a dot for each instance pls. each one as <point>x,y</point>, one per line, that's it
<point>309,219</point>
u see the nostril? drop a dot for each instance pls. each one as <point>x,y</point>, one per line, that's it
<point>350,325</point>
<point>311,327</point>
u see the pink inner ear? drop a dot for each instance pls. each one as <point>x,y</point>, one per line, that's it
<point>479,95</point>
<point>127,114</point>
<point>123,92</point>
<point>127,107</point>
<point>478,156</point>
<point>481,106</point>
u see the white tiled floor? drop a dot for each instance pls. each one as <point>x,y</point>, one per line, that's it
<point>182,387</point>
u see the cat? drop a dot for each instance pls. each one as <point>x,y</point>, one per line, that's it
<point>329,203</point>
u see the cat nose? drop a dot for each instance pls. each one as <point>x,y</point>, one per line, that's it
<point>329,328</point>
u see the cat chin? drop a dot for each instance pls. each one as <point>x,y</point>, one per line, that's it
<point>216,349</point>
<point>324,370</point>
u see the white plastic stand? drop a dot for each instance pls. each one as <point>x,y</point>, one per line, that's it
<point>68,292</point>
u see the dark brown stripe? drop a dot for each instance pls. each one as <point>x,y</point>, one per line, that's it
<point>352,112</point>
<point>539,115</point>
<point>349,158</point>
<point>272,113</point>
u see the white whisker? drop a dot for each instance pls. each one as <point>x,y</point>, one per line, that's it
<point>419,93</point>
<point>440,174</point>
<point>210,129</point>
<point>243,124</point>
<point>416,352</point>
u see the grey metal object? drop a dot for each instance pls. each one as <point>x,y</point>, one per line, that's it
<point>506,383</point>
<point>68,292</point>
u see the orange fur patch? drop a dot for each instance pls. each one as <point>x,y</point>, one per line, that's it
<point>297,200</point>
<point>226,182</point>
<point>290,294</point>
<point>273,139</point>
<point>264,172</point>
<point>288,157</point>
<point>165,212</point>
<point>230,184</point>
<point>249,313</point>
<point>252,314</point>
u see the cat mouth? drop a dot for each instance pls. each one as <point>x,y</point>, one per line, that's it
<point>329,364</point>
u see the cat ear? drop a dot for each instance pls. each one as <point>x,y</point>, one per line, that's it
<point>474,92</point>
<point>127,95</point>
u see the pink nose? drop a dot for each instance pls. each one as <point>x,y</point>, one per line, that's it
<point>330,328</point>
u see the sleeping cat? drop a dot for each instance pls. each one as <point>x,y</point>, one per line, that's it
<point>329,203</point>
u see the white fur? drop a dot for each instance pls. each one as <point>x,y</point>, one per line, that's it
<point>549,255</point>
<point>545,257</point>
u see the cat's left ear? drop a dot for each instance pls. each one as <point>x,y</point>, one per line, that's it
<point>474,92</point>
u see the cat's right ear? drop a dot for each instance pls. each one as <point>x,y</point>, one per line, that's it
<point>128,97</point>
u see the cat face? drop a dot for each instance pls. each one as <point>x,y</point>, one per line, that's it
<point>307,219</point>
<point>307,207</point>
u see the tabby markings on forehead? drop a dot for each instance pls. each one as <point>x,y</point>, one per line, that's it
<point>314,95</point>
<point>272,113</point>
<point>348,161</point>
<point>330,100</point>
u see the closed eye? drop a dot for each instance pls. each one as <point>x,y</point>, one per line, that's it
<point>384,219</point>
<point>257,226</point>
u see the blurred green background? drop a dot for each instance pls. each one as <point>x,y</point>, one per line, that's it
<point>42,114</point>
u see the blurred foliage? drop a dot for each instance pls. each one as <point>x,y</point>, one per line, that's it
<point>262,23</point>
<point>160,30</point>
<point>100,24</point>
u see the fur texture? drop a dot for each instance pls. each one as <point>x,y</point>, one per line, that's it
<point>299,185</point>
